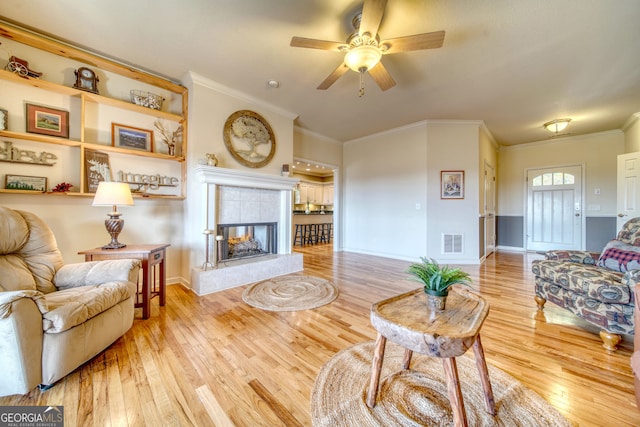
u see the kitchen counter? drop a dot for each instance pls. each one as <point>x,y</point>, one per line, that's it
<point>312,218</point>
<point>313,213</point>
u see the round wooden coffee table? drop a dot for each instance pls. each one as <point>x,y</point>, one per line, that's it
<point>406,320</point>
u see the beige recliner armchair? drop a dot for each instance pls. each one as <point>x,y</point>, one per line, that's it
<point>54,317</point>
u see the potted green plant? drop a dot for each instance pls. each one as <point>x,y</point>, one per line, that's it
<point>436,280</point>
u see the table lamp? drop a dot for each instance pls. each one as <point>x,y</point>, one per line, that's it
<point>113,194</point>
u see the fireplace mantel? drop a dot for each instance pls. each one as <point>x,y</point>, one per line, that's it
<point>243,178</point>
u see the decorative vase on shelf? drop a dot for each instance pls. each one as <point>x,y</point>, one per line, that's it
<point>436,281</point>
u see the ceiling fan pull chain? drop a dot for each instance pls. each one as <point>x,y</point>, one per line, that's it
<point>361,93</point>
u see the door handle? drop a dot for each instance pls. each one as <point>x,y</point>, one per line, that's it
<point>577,214</point>
<point>620,215</point>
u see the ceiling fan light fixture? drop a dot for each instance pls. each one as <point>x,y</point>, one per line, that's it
<point>557,125</point>
<point>362,57</point>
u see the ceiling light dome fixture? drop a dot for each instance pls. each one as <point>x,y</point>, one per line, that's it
<point>362,58</point>
<point>556,126</point>
<point>363,53</point>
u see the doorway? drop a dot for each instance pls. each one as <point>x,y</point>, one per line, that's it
<point>554,209</point>
<point>628,186</point>
<point>327,176</point>
<point>489,209</point>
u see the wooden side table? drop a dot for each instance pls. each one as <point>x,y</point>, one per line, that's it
<point>152,257</point>
<point>406,320</point>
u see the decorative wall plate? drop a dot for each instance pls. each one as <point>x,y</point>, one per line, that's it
<point>249,138</point>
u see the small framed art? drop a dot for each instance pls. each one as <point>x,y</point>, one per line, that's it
<point>452,184</point>
<point>47,121</point>
<point>132,138</point>
<point>97,169</point>
<point>25,183</point>
<point>4,119</point>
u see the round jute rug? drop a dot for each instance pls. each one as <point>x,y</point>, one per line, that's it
<point>290,293</point>
<point>418,397</point>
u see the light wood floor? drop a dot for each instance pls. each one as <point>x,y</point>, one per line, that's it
<point>213,360</point>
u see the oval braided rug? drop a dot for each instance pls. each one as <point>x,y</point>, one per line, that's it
<point>290,293</point>
<point>418,397</point>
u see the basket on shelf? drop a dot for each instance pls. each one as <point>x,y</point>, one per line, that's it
<point>146,99</point>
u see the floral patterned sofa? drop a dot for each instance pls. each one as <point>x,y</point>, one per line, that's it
<point>597,287</point>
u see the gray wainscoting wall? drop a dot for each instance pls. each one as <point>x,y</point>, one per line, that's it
<point>599,231</point>
<point>510,232</point>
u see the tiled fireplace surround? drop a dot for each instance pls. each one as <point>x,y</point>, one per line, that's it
<point>238,197</point>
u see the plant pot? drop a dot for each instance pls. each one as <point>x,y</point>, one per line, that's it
<point>436,301</point>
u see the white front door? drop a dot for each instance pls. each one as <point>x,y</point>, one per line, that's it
<point>489,209</point>
<point>554,211</point>
<point>628,184</point>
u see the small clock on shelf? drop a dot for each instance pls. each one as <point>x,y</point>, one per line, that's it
<point>86,79</point>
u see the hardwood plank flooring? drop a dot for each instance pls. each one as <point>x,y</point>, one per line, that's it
<point>213,360</point>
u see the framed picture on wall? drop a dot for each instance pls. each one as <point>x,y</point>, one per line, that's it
<point>452,184</point>
<point>47,121</point>
<point>132,138</point>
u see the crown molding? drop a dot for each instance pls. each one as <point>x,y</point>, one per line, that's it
<point>631,121</point>
<point>558,140</point>
<point>191,78</point>
<point>317,135</point>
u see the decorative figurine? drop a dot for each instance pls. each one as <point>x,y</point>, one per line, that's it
<point>212,160</point>
<point>21,68</point>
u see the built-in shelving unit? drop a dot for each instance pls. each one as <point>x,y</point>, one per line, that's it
<point>89,129</point>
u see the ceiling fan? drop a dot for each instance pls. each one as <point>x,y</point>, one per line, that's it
<point>363,49</point>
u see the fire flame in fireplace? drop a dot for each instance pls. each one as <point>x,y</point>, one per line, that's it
<point>243,246</point>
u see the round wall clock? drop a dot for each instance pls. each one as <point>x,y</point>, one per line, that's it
<point>249,139</point>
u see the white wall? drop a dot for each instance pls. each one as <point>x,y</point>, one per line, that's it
<point>317,148</point>
<point>632,134</point>
<point>453,145</point>
<point>597,152</point>
<point>387,176</point>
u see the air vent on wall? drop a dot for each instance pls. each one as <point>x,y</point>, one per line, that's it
<point>452,243</point>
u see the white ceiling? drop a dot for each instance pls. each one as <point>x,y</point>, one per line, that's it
<point>514,64</point>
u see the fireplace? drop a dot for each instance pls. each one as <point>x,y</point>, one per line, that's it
<point>258,205</point>
<point>247,240</point>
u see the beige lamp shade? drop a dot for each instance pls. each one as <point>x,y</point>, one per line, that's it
<point>113,194</point>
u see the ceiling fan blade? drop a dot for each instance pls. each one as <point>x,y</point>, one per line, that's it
<point>335,75</point>
<point>432,40</point>
<point>315,44</point>
<point>372,12</point>
<point>382,77</point>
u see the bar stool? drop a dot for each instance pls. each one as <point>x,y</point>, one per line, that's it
<point>322,233</point>
<point>299,235</point>
<point>311,235</point>
<point>329,226</point>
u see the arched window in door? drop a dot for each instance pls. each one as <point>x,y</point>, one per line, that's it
<point>553,178</point>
